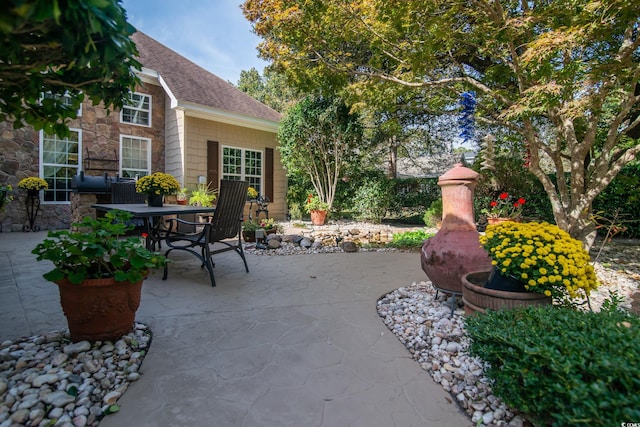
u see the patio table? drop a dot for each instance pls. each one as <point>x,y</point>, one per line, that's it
<point>151,215</point>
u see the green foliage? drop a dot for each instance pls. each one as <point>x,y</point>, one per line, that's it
<point>561,78</point>
<point>433,215</point>
<point>560,366</point>
<point>410,239</point>
<point>295,213</point>
<point>318,137</point>
<point>75,48</point>
<point>98,250</point>
<point>203,195</point>
<point>414,194</point>
<point>620,200</point>
<point>372,199</point>
<point>271,89</point>
<point>509,175</point>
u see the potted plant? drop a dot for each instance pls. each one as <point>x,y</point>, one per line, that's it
<point>539,261</point>
<point>317,209</point>
<point>156,186</point>
<point>252,193</point>
<point>202,196</point>
<point>249,228</point>
<point>33,184</point>
<point>99,274</point>
<point>504,208</point>
<point>182,196</point>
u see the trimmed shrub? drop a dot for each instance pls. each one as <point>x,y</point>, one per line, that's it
<point>410,239</point>
<point>560,366</point>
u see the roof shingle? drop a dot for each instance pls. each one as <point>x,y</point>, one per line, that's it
<point>193,84</point>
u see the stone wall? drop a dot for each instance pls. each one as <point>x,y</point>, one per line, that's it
<point>19,157</point>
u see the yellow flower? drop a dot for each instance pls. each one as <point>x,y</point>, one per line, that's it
<point>33,183</point>
<point>542,255</point>
<point>158,183</point>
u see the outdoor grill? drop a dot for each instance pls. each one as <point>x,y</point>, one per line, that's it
<point>94,184</point>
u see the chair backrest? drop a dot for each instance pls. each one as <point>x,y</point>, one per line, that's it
<point>125,192</point>
<point>229,209</point>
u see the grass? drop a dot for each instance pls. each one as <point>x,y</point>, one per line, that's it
<point>409,239</point>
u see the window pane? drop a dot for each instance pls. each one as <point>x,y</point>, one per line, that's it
<point>135,156</point>
<point>60,161</point>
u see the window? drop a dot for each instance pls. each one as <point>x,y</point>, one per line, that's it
<point>60,160</point>
<point>137,111</point>
<point>135,156</point>
<point>63,99</point>
<point>243,165</point>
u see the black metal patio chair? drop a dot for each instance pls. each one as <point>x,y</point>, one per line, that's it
<point>223,228</point>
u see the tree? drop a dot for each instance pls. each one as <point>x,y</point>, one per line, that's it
<point>562,75</point>
<point>271,89</point>
<point>67,48</point>
<point>318,137</point>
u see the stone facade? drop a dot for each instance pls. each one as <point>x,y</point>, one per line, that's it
<point>100,143</point>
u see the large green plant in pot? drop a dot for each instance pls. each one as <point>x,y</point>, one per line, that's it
<point>99,273</point>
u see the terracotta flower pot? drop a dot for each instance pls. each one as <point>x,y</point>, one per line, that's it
<point>99,309</point>
<point>318,217</point>
<point>477,298</point>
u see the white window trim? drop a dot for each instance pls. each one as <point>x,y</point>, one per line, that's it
<point>41,162</point>
<point>243,175</point>
<point>139,109</point>
<point>149,151</point>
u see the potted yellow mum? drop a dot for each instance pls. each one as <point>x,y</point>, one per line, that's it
<point>545,261</point>
<point>156,186</point>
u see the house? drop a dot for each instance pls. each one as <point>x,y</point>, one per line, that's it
<point>182,120</point>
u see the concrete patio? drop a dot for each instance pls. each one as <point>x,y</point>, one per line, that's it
<point>295,342</point>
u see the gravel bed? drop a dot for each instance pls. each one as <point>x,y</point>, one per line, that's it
<point>46,380</point>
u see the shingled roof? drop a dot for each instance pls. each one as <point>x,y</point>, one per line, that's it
<point>191,84</point>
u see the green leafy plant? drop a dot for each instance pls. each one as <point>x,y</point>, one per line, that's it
<point>294,211</point>
<point>158,183</point>
<point>544,257</point>
<point>433,215</point>
<point>202,196</point>
<point>372,199</point>
<point>315,204</point>
<point>409,239</point>
<point>560,366</point>
<point>98,250</point>
<point>5,195</point>
<point>259,224</point>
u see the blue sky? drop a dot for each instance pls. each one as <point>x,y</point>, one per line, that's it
<point>213,34</point>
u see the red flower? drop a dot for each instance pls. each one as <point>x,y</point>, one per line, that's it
<point>144,235</point>
<point>503,196</point>
<point>521,201</point>
<point>494,204</point>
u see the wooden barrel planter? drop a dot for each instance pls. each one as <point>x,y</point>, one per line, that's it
<point>477,298</point>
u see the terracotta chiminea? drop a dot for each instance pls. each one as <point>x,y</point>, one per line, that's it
<point>455,249</point>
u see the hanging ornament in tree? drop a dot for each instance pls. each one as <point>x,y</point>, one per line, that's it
<point>488,153</point>
<point>466,120</point>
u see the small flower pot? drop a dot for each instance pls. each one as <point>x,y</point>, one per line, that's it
<point>318,217</point>
<point>155,200</point>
